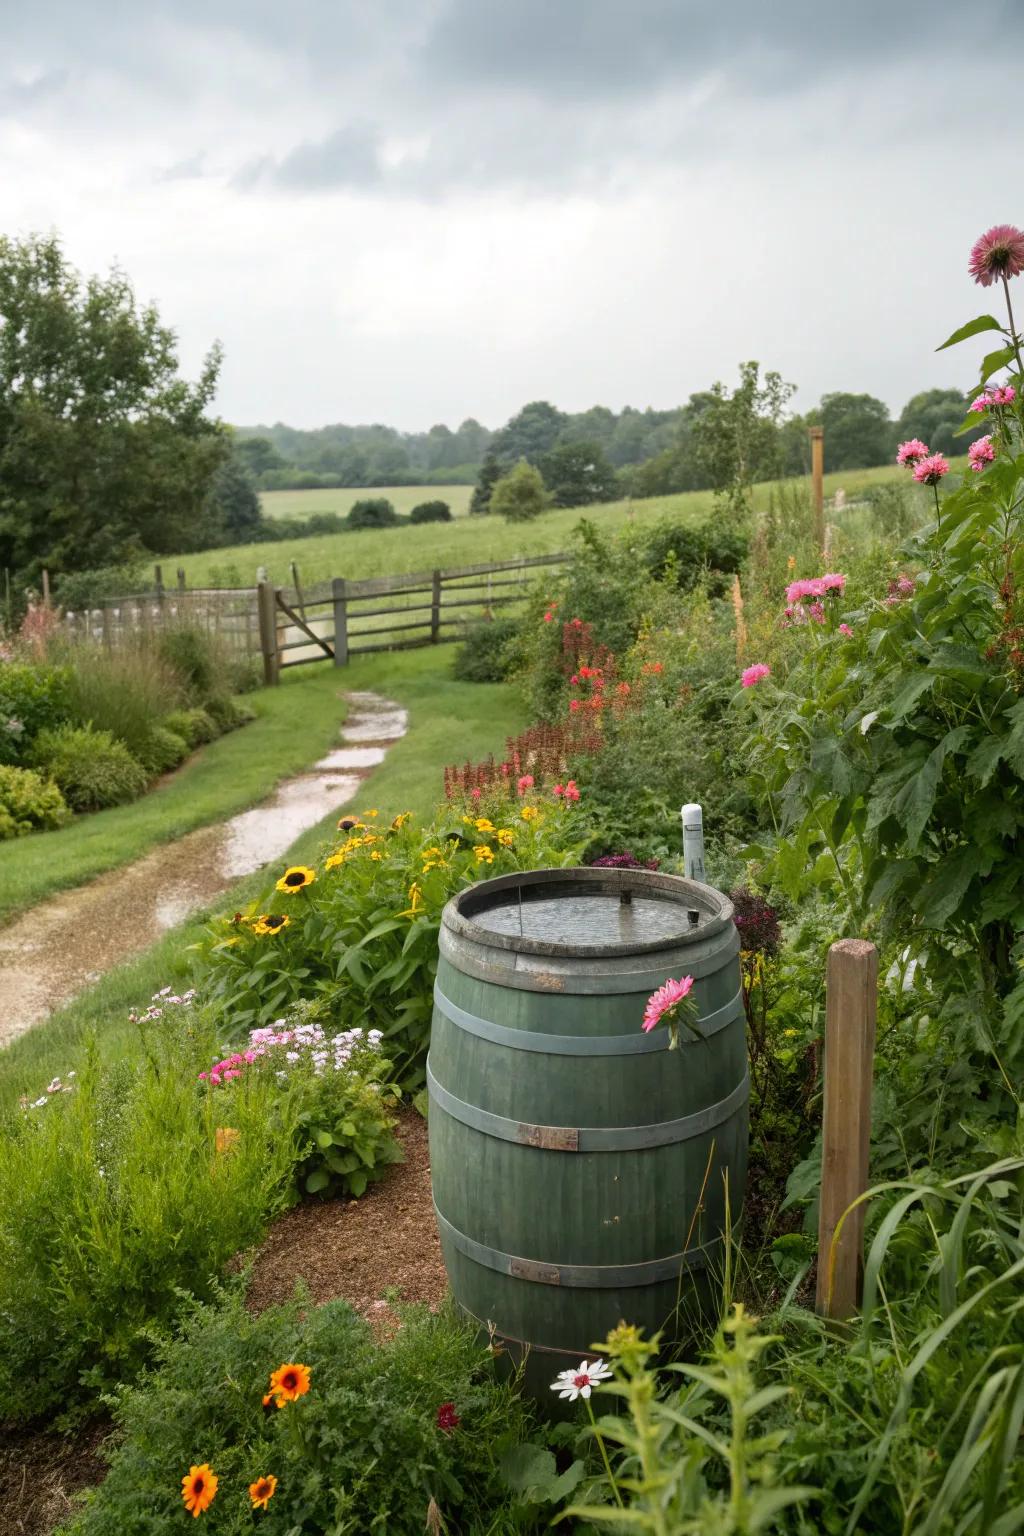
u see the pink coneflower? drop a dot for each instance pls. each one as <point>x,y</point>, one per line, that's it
<point>666,997</point>
<point>912,450</point>
<point>755,674</point>
<point>931,470</point>
<point>1004,396</point>
<point>806,586</point>
<point>998,253</point>
<point>981,453</point>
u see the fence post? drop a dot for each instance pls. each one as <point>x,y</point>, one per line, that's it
<point>181,578</point>
<point>267,607</point>
<point>435,609</point>
<point>46,589</point>
<point>851,1003</point>
<point>339,592</point>
<point>818,485</point>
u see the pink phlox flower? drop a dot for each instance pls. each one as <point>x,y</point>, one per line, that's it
<point>755,674</point>
<point>931,470</point>
<point>666,997</point>
<point>912,450</point>
<point>998,253</point>
<point>981,453</point>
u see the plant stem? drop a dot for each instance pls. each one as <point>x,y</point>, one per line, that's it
<point>938,510</point>
<point>1014,338</point>
<point>604,1454</point>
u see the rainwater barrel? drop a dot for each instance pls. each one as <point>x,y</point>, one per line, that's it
<point>583,1173</point>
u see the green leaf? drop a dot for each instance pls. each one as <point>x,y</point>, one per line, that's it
<point>317,1180</point>
<point>992,362</point>
<point>324,1139</point>
<point>972,328</point>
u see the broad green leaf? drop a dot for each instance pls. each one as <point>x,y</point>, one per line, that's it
<point>972,328</point>
<point>992,362</point>
<point>317,1180</point>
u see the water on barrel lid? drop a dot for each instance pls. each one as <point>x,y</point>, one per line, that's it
<point>597,919</point>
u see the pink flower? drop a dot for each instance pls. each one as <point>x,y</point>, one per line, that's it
<point>931,470</point>
<point>817,613</point>
<point>981,453</point>
<point>571,792</point>
<point>833,582</point>
<point>1004,396</point>
<point>475,794</point>
<point>666,997</point>
<point>447,1418</point>
<point>574,704</point>
<point>844,629</point>
<point>998,253</point>
<point>755,674</point>
<point>559,790</point>
<point>525,783</point>
<point>912,450</point>
<point>548,618</point>
<point>574,680</point>
<point>982,403</point>
<point>805,587</point>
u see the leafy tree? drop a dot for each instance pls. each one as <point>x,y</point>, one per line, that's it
<point>531,433</point>
<point>858,431</point>
<point>490,474</point>
<point>258,454</point>
<point>736,437</point>
<point>578,473</point>
<point>934,416</point>
<point>104,448</point>
<point>372,512</point>
<point>520,495</point>
<point>234,503</point>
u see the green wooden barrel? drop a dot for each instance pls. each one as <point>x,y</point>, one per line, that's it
<point>582,1172</point>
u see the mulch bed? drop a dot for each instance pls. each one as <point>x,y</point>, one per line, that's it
<point>40,1472</point>
<point>385,1242</point>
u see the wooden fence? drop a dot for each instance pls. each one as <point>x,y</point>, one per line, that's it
<point>343,618</point>
<point>229,613</point>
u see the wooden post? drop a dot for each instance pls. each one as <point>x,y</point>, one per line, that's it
<point>46,589</point>
<point>339,592</point>
<point>851,1002</point>
<point>266,604</point>
<point>300,601</point>
<point>181,578</point>
<point>435,608</point>
<point>818,485</point>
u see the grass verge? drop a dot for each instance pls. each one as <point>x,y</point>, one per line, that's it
<point>447,720</point>
<point>296,723</point>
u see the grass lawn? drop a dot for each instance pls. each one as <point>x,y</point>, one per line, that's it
<point>402,497</point>
<point>297,723</point>
<point>382,552</point>
<point>447,720</point>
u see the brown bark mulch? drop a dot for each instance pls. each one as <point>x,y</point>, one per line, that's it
<point>40,1472</point>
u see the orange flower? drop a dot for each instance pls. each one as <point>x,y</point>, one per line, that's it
<point>262,1491</point>
<point>198,1489</point>
<point>289,1382</point>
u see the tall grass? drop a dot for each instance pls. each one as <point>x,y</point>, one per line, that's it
<point>126,691</point>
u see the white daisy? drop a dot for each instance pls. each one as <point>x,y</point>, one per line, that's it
<point>574,1384</point>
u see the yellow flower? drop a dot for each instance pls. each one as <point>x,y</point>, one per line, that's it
<point>790,1034</point>
<point>483,854</point>
<point>529,813</point>
<point>271,922</point>
<point>295,878</point>
<point>262,1491</point>
<point>400,820</point>
<point>335,859</point>
<point>415,902</point>
<point>791,563</point>
<point>289,1382</point>
<point>370,813</point>
<point>483,825</point>
<point>506,837</point>
<point>376,856</point>
<point>468,820</point>
<point>199,1488</point>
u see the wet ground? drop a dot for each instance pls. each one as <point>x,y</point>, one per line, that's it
<point>64,944</point>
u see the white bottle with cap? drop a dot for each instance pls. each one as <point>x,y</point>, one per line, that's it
<point>693,841</point>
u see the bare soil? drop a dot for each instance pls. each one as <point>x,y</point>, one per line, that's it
<point>39,1473</point>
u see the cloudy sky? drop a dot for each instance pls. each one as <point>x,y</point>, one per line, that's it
<point>417,210</point>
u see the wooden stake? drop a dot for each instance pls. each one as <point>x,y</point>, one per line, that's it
<point>46,589</point>
<point>851,1003</point>
<point>818,485</point>
<point>267,606</point>
<point>339,594</point>
<point>435,607</point>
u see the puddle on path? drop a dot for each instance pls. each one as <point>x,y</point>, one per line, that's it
<point>70,941</point>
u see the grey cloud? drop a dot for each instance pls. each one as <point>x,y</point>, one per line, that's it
<point>18,96</point>
<point>349,157</point>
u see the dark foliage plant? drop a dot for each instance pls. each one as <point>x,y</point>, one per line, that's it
<point>431,512</point>
<point>372,512</point>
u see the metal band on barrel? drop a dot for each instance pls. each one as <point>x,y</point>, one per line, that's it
<point>592,1277</point>
<point>638,1044</point>
<point>564,1138</point>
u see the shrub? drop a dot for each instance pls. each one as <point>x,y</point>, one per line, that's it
<point>91,769</point>
<point>228,713</point>
<point>125,691</point>
<point>195,658</point>
<point>361,934</point>
<point>32,698</point>
<point>29,803</point>
<point>163,750</point>
<point>114,1199</point>
<point>86,589</point>
<point>197,726</point>
<point>365,1450</point>
<point>431,512</point>
<point>684,552</point>
<point>487,655</point>
<point>520,495</point>
<point>372,512</point>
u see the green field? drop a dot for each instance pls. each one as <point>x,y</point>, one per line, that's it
<point>382,552</point>
<point>402,497</point>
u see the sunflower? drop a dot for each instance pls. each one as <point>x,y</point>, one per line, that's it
<point>349,824</point>
<point>289,1382</point>
<point>262,1491</point>
<point>295,878</point>
<point>271,922</point>
<point>198,1489</point>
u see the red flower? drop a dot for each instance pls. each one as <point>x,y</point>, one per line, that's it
<point>447,1418</point>
<point>574,704</point>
